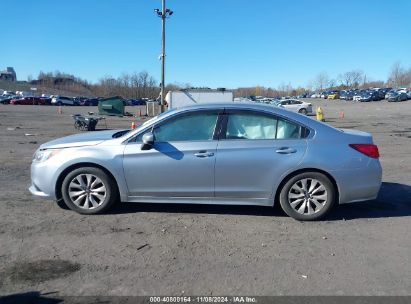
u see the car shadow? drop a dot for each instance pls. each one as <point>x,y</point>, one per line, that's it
<point>394,200</point>
<point>31,297</point>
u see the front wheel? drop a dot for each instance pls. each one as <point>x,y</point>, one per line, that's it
<point>89,190</point>
<point>307,196</point>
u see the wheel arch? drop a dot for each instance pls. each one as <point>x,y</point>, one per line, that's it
<point>294,173</point>
<point>66,171</point>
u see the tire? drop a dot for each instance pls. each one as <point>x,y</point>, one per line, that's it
<point>78,195</point>
<point>303,111</point>
<point>294,202</point>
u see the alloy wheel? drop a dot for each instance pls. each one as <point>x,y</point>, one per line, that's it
<point>307,196</point>
<point>87,191</point>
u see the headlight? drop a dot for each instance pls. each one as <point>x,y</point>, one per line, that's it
<point>43,155</point>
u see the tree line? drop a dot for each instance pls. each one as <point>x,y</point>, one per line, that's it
<point>134,85</point>
<point>143,85</point>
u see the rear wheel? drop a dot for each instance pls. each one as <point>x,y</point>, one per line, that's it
<point>307,196</point>
<point>303,111</point>
<point>89,190</point>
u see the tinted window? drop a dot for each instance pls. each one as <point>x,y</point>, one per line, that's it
<point>187,127</point>
<point>287,130</point>
<point>260,126</point>
<point>251,126</point>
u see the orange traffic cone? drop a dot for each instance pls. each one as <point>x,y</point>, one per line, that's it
<point>342,115</point>
<point>133,125</point>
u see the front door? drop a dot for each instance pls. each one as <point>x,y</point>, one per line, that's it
<point>181,161</point>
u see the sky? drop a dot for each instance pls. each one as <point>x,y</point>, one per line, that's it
<point>209,43</point>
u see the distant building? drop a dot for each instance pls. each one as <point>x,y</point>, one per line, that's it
<point>9,74</point>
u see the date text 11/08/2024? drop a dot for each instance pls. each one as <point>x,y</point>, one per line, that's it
<point>200,299</point>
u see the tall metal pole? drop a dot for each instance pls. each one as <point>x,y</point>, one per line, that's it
<point>163,54</point>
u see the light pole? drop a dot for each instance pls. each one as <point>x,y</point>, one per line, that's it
<point>163,14</point>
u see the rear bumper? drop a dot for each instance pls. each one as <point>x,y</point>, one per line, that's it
<point>361,184</point>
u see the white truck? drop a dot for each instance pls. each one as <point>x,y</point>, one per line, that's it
<point>178,99</point>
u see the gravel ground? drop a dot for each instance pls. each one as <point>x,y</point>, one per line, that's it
<point>142,249</point>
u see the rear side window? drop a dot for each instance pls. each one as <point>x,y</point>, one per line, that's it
<point>255,126</point>
<point>287,130</point>
<point>251,126</point>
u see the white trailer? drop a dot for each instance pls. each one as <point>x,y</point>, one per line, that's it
<point>178,99</point>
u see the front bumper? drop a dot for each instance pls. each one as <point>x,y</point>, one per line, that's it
<point>42,180</point>
<point>37,192</point>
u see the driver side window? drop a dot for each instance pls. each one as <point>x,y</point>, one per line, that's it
<point>196,126</point>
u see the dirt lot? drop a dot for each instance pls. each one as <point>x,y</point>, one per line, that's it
<point>140,249</point>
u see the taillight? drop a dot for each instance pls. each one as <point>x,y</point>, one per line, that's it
<point>367,149</point>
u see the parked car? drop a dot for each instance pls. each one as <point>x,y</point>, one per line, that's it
<point>382,92</point>
<point>397,96</point>
<point>31,101</point>
<point>63,101</point>
<point>231,153</point>
<point>136,102</point>
<point>44,101</point>
<point>357,95</point>
<point>89,102</point>
<point>346,95</point>
<point>369,96</point>
<point>333,95</point>
<point>324,94</point>
<point>295,105</point>
<point>387,95</point>
<point>6,100</point>
<point>79,100</point>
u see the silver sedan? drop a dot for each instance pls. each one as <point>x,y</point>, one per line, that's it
<point>295,105</point>
<point>232,154</point>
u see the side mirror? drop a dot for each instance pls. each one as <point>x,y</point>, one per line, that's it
<point>148,141</point>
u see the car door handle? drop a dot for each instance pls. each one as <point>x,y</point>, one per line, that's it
<point>203,154</point>
<point>285,150</point>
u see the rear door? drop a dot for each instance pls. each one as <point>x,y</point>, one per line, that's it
<point>255,151</point>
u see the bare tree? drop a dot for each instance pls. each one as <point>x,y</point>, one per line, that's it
<point>321,81</point>
<point>399,76</point>
<point>351,79</point>
<point>332,83</point>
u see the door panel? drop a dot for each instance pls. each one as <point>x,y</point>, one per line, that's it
<point>254,152</point>
<point>251,168</point>
<point>171,169</point>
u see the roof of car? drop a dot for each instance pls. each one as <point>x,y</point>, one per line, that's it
<point>249,105</point>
